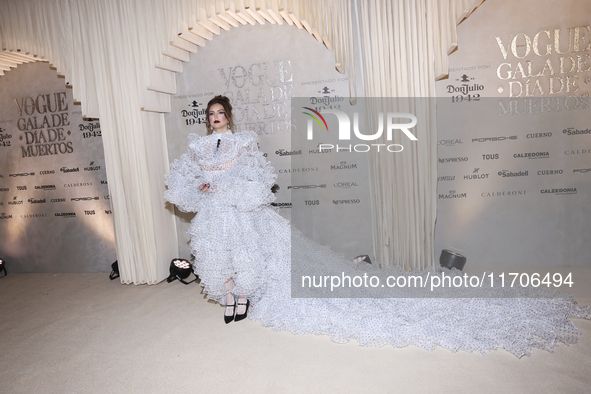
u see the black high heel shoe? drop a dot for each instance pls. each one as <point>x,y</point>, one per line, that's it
<point>243,315</point>
<point>227,318</point>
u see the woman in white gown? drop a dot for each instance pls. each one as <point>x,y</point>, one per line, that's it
<point>244,250</point>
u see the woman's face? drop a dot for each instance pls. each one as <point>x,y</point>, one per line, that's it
<point>217,118</point>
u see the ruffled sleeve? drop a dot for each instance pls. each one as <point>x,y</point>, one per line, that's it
<point>184,179</point>
<point>253,175</point>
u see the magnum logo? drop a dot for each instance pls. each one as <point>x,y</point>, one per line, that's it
<point>43,121</point>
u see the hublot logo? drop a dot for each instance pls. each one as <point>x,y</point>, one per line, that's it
<point>476,175</point>
<point>15,202</point>
<point>92,167</point>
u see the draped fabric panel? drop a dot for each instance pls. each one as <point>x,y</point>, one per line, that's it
<point>120,58</point>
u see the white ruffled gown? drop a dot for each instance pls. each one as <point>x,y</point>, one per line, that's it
<point>236,233</point>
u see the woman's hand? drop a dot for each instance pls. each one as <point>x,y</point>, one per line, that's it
<point>204,187</point>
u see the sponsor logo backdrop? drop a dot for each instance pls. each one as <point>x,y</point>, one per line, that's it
<point>55,214</point>
<point>514,149</point>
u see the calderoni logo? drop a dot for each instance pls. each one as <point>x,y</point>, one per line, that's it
<point>504,193</point>
<point>343,166</point>
<point>559,191</point>
<point>494,139</point>
<point>345,185</point>
<point>323,186</point>
<point>572,152</point>
<point>350,201</point>
<point>573,131</point>
<point>34,215</point>
<point>36,201</point>
<point>453,160</point>
<point>283,152</point>
<point>550,172</point>
<point>65,214</point>
<point>511,174</point>
<point>532,155</point>
<point>21,174</point>
<point>451,195</point>
<point>452,142</point>
<point>45,187</point>
<point>293,170</point>
<point>78,184</point>
<point>48,172</point>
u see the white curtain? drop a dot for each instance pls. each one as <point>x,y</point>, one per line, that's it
<point>121,56</point>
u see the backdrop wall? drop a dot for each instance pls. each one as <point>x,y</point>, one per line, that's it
<point>514,143</point>
<point>55,213</point>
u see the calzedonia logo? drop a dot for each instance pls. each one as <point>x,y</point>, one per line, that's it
<point>45,187</point>
<point>65,214</point>
<point>532,155</point>
<point>559,191</point>
<point>281,204</point>
<point>405,121</point>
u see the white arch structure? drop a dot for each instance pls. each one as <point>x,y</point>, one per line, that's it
<point>121,56</point>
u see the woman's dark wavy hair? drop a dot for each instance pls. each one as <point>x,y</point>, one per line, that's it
<point>224,102</point>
